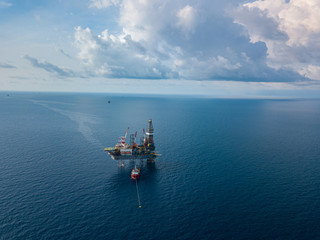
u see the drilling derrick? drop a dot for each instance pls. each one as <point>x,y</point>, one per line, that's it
<point>149,133</point>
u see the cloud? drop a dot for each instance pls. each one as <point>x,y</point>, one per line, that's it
<point>144,47</point>
<point>6,65</point>
<point>122,57</point>
<point>64,53</point>
<point>117,56</point>
<point>19,77</point>
<point>311,71</point>
<point>87,44</point>
<point>103,3</point>
<point>49,67</point>
<point>186,19</point>
<point>290,31</point>
<point>178,40</point>
<point>4,4</point>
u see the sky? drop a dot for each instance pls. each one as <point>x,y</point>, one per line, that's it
<point>230,48</point>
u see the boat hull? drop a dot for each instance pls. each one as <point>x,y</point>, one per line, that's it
<point>135,177</point>
<point>135,173</point>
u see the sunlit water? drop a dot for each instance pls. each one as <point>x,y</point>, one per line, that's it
<point>230,169</point>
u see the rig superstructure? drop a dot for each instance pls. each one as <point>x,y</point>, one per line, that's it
<point>133,151</point>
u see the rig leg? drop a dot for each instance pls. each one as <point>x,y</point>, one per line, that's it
<point>151,160</point>
<point>120,163</point>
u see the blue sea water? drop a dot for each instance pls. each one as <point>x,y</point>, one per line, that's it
<point>230,168</point>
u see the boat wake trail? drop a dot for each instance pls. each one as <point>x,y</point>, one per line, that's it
<point>83,121</point>
<point>138,193</point>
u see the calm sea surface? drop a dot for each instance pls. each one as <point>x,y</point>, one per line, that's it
<point>230,169</point>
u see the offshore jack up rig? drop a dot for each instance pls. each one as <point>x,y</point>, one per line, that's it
<point>133,151</point>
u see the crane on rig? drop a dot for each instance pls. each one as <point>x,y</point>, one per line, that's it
<point>122,140</point>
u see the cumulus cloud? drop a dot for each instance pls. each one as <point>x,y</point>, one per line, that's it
<point>120,56</point>
<point>176,39</point>
<point>214,68</point>
<point>152,44</point>
<point>186,19</point>
<point>103,3</point>
<point>311,71</point>
<point>87,44</point>
<point>290,31</point>
<point>117,56</point>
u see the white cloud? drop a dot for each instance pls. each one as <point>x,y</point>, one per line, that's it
<point>120,56</point>
<point>214,67</point>
<point>144,20</point>
<point>290,30</point>
<point>103,3</point>
<point>311,71</point>
<point>117,56</point>
<point>154,39</point>
<point>5,4</point>
<point>151,44</point>
<point>186,19</point>
<point>87,44</point>
<point>174,39</point>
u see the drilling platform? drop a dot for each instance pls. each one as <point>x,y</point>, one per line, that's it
<point>133,151</point>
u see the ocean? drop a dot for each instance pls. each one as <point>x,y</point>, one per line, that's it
<point>229,169</point>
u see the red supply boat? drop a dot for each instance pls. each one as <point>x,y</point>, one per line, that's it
<point>135,173</point>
